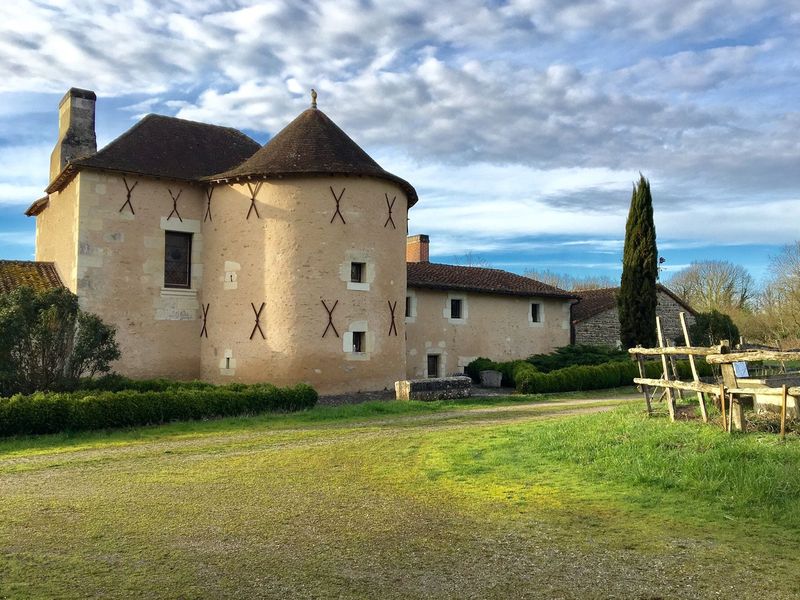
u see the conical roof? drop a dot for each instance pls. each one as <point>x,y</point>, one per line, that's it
<point>313,145</point>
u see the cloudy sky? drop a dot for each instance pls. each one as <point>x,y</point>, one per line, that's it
<point>522,123</point>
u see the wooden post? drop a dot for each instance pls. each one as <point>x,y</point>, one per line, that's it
<point>674,366</point>
<point>722,406</point>
<point>784,393</point>
<point>645,388</point>
<point>701,397</point>
<point>735,412</point>
<point>738,417</point>
<point>670,398</point>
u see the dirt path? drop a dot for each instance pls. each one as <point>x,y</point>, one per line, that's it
<point>314,434</point>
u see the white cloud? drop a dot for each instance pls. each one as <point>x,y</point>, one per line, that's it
<point>528,117</point>
<point>17,238</point>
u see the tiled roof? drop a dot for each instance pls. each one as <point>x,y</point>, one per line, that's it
<point>167,147</point>
<point>477,279</point>
<point>40,276</point>
<point>593,302</point>
<point>312,144</point>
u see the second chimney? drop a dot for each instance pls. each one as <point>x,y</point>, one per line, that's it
<point>76,135</point>
<point>417,248</point>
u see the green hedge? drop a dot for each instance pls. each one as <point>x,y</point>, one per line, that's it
<point>597,377</point>
<point>118,383</point>
<point>527,379</point>
<point>53,412</point>
<point>576,354</point>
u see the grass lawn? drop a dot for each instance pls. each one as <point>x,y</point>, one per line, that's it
<point>493,498</point>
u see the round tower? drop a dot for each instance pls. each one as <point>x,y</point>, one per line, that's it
<point>304,264</point>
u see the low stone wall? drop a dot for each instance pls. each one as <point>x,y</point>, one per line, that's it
<point>441,388</point>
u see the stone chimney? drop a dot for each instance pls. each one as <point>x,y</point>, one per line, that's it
<point>76,136</point>
<point>417,249</point>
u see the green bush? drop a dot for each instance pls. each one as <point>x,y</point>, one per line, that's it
<point>597,377</point>
<point>48,343</point>
<point>577,354</point>
<point>712,327</point>
<point>117,383</point>
<point>53,412</point>
<point>476,366</point>
<point>512,371</point>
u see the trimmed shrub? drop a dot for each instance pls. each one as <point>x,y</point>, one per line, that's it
<point>576,354</point>
<point>53,412</point>
<point>596,377</point>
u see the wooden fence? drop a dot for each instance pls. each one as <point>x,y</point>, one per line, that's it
<point>728,391</point>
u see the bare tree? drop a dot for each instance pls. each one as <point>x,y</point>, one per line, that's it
<point>470,259</point>
<point>780,301</point>
<point>569,282</point>
<point>714,285</point>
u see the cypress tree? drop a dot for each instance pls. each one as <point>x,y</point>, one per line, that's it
<point>637,300</point>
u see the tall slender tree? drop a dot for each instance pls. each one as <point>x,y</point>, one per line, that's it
<point>637,300</point>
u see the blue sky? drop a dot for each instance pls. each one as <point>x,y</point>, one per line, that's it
<point>522,123</point>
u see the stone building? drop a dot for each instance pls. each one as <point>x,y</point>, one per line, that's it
<point>454,314</point>
<point>595,319</point>
<point>216,258</point>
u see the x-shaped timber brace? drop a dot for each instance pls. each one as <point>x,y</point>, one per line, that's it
<point>257,326</point>
<point>128,198</point>
<point>175,205</point>
<point>204,308</point>
<point>337,212</point>
<point>254,189</point>
<point>209,192</point>
<point>392,308</point>
<point>330,318</point>
<point>390,206</point>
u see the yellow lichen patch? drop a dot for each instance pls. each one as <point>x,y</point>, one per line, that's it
<point>40,276</point>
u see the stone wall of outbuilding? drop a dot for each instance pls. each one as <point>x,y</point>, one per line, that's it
<point>603,328</point>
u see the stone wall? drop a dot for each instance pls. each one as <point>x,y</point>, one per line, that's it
<point>293,256</point>
<point>57,233</point>
<point>603,328</point>
<point>494,326</point>
<point>119,268</point>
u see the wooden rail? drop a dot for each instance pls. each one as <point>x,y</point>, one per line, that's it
<point>680,350</point>
<point>689,386</point>
<point>751,355</point>
<point>710,388</point>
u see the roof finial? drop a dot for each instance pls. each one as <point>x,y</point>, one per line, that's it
<point>313,98</point>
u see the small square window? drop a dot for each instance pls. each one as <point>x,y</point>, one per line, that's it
<point>357,270</point>
<point>536,312</point>
<point>358,341</point>
<point>408,306</point>
<point>455,308</point>
<point>177,259</point>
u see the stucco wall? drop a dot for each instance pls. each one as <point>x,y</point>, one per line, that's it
<point>603,328</point>
<point>497,327</point>
<point>120,271</point>
<point>291,257</point>
<point>56,233</point>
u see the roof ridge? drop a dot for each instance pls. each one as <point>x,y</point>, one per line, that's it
<point>193,122</point>
<point>149,117</point>
<point>311,144</point>
<point>31,262</point>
